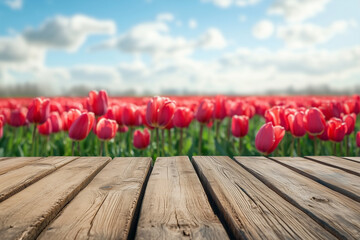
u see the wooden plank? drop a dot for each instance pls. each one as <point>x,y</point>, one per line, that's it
<point>334,178</point>
<point>14,181</point>
<point>175,205</point>
<point>252,210</point>
<point>105,208</point>
<point>14,163</point>
<point>3,158</point>
<point>26,214</point>
<point>335,212</point>
<point>347,166</point>
<point>355,159</point>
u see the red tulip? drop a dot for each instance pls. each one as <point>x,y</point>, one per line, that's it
<point>18,117</point>
<point>182,117</point>
<point>82,126</point>
<point>2,119</point>
<point>128,115</point>
<point>39,110</point>
<point>337,129</point>
<point>123,129</point>
<point>141,140</point>
<point>351,106</point>
<point>358,139</point>
<point>159,111</point>
<point>239,126</point>
<point>276,115</point>
<point>45,128</point>
<point>5,112</point>
<point>106,129</point>
<point>268,138</point>
<point>98,102</point>
<point>56,122</point>
<point>118,112</point>
<point>72,115</point>
<point>219,108</point>
<point>350,121</point>
<point>324,136</point>
<point>205,111</point>
<point>314,121</point>
<point>64,119</point>
<point>296,124</point>
<point>110,113</point>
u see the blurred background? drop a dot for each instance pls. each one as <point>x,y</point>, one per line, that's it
<point>172,47</point>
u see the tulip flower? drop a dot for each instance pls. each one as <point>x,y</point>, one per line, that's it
<point>38,113</point>
<point>203,115</point>
<point>81,128</point>
<point>182,119</point>
<point>159,113</point>
<point>56,122</point>
<point>72,115</point>
<point>141,140</point>
<point>97,102</point>
<point>219,112</point>
<point>45,128</point>
<point>358,139</point>
<point>268,138</point>
<point>240,128</point>
<point>314,123</point>
<point>350,120</point>
<point>18,117</point>
<point>128,115</point>
<point>106,130</point>
<point>336,131</point>
<point>276,115</point>
<point>297,129</point>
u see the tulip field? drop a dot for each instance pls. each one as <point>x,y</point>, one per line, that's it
<point>173,125</point>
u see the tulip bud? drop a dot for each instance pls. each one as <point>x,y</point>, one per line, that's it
<point>350,121</point>
<point>56,122</point>
<point>219,108</point>
<point>38,111</point>
<point>82,126</point>
<point>106,129</point>
<point>268,138</point>
<point>239,126</point>
<point>45,128</point>
<point>358,139</point>
<point>296,124</point>
<point>337,129</point>
<point>97,102</point>
<point>314,121</point>
<point>72,115</point>
<point>18,117</point>
<point>141,140</point>
<point>128,115</point>
<point>205,111</point>
<point>159,112</point>
<point>182,117</point>
<point>2,118</point>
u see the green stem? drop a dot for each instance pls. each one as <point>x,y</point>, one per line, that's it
<point>163,141</point>
<point>33,139</point>
<point>101,148</point>
<point>79,150</point>
<point>181,141</point>
<point>228,130</point>
<point>106,149</point>
<point>315,143</point>
<point>131,129</point>
<point>334,148</point>
<point>169,141</point>
<point>240,146</point>
<point>298,147</point>
<point>293,146</point>
<point>200,137</point>
<point>217,126</point>
<point>157,143</point>
<point>347,144</point>
<point>72,147</point>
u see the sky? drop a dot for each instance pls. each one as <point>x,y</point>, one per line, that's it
<point>172,46</point>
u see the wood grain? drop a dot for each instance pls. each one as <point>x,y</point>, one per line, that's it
<point>252,210</point>
<point>334,211</point>
<point>9,164</point>
<point>26,214</point>
<point>105,208</point>
<point>346,165</point>
<point>175,205</point>
<point>355,159</point>
<point>18,179</point>
<point>334,178</point>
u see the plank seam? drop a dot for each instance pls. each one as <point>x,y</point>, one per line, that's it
<point>212,201</point>
<point>349,159</point>
<point>323,224</point>
<point>318,180</point>
<point>331,165</point>
<point>135,219</point>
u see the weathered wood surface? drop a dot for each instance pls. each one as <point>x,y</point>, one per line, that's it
<point>3,158</point>
<point>9,164</point>
<point>355,159</point>
<point>27,213</point>
<point>175,205</point>
<point>343,164</point>
<point>335,212</point>
<point>105,208</point>
<point>334,178</point>
<point>252,210</point>
<point>14,181</point>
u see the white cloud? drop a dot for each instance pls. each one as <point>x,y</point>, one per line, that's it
<point>95,73</point>
<point>14,4</point>
<point>67,32</point>
<point>168,17</point>
<point>309,35</point>
<point>263,29</point>
<point>192,24</point>
<point>228,3</point>
<point>154,39</point>
<point>297,10</point>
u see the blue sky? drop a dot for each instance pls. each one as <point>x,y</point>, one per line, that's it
<point>205,46</point>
